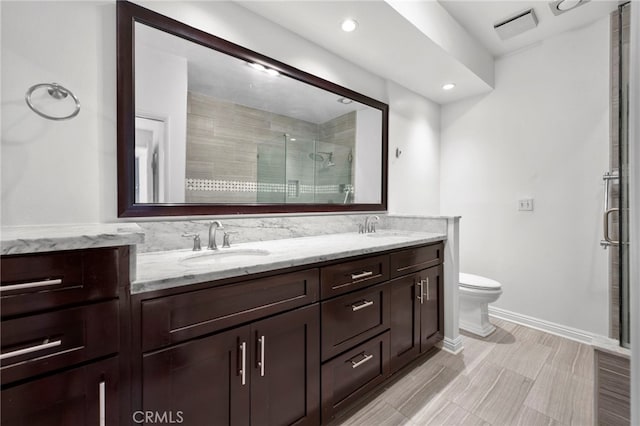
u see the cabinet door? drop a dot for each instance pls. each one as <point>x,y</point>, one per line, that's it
<point>285,374</point>
<point>86,395</point>
<point>405,320</point>
<point>201,381</point>
<point>429,307</point>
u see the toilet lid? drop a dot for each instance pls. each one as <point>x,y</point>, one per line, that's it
<point>476,281</point>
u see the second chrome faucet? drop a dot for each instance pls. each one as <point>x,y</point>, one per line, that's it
<point>214,225</point>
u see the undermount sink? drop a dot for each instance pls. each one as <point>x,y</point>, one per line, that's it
<point>219,255</point>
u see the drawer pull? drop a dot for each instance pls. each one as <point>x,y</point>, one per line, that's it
<point>44,345</point>
<point>34,284</point>
<point>420,295</point>
<point>362,305</point>
<point>261,362</point>
<point>243,361</point>
<point>361,275</point>
<point>356,364</point>
<point>103,407</point>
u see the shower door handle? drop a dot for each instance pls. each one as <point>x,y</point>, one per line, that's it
<point>607,177</point>
<point>606,227</point>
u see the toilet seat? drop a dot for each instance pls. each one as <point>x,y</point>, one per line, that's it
<point>475,282</point>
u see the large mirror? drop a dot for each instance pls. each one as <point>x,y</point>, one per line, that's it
<point>209,127</point>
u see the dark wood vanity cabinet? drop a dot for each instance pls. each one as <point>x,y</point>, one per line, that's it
<point>237,354</point>
<point>416,322</point>
<point>62,337</point>
<point>290,347</point>
<point>264,373</point>
<point>371,331</point>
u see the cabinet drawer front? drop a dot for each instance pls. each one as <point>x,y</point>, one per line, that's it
<point>354,373</point>
<point>41,343</point>
<point>412,260</point>
<point>78,396</point>
<point>354,318</point>
<point>348,276</point>
<point>173,319</point>
<point>36,282</point>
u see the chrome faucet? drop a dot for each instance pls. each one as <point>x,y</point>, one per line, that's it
<point>214,225</point>
<point>369,224</point>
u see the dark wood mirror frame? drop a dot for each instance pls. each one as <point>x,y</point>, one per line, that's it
<point>127,15</point>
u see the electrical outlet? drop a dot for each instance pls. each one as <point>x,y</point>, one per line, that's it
<point>525,204</point>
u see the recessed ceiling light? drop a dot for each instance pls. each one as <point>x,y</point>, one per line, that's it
<point>561,6</point>
<point>448,86</point>
<point>257,66</point>
<point>349,25</point>
<point>345,101</point>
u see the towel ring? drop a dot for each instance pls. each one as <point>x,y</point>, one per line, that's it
<point>56,91</point>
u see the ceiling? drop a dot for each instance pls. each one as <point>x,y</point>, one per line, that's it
<point>394,41</point>
<point>227,78</point>
<point>478,18</point>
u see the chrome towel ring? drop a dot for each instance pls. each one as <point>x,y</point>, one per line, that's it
<point>56,91</point>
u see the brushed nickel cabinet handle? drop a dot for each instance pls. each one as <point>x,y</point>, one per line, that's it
<point>243,361</point>
<point>261,363</point>
<point>420,295</point>
<point>34,284</point>
<point>363,304</point>
<point>44,345</point>
<point>356,364</point>
<point>428,289</point>
<point>364,274</point>
<point>103,403</point>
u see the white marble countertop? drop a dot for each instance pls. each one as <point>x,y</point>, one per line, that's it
<point>168,269</point>
<point>44,238</point>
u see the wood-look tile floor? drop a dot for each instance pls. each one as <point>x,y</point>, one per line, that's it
<point>517,376</point>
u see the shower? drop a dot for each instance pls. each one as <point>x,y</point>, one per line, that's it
<point>323,157</point>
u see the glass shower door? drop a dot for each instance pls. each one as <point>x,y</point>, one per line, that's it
<point>624,182</point>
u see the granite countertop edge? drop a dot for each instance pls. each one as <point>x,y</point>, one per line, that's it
<point>51,238</point>
<point>164,270</point>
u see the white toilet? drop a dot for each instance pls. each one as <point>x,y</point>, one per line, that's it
<point>476,293</point>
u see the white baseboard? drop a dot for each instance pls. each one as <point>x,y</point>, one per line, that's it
<point>542,325</point>
<point>453,346</point>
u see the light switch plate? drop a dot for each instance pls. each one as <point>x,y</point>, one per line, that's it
<point>525,204</point>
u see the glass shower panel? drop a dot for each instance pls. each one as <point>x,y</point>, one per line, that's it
<point>301,161</point>
<point>623,129</point>
<point>333,175</point>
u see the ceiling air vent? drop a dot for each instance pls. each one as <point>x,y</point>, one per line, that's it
<point>517,24</point>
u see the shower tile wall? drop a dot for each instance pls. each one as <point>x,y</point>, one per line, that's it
<point>236,154</point>
<point>337,136</point>
<point>223,144</point>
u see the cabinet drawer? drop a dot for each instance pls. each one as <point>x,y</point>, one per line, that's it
<point>354,318</point>
<point>80,396</point>
<point>45,342</point>
<point>173,319</point>
<point>412,260</point>
<point>354,373</point>
<point>348,276</point>
<point>37,282</point>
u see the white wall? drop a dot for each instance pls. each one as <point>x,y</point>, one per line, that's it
<point>162,94</point>
<point>368,174</point>
<point>414,177</point>
<point>65,172</point>
<point>542,133</point>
